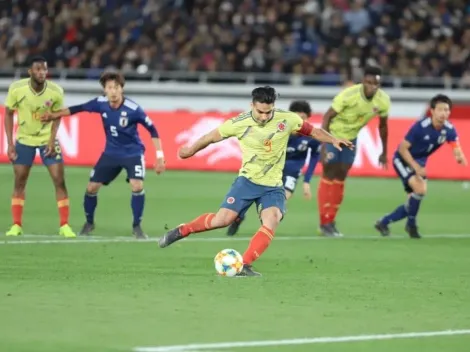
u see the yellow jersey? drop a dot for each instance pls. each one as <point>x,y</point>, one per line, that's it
<point>30,106</point>
<point>263,146</point>
<point>355,111</point>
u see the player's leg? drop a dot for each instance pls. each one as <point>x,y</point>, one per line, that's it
<point>135,168</point>
<point>104,172</point>
<point>237,200</point>
<point>419,187</point>
<point>405,174</point>
<point>271,206</point>
<point>234,226</point>
<point>55,166</point>
<point>21,168</point>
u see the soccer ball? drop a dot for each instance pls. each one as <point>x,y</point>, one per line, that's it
<point>228,262</point>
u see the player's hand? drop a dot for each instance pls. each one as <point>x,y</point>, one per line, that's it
<point>185,152</point>
<point>50,150</point>
<point>420,171</point>
<point>11,152</point>
<point>383,161</point>
<point>160,166</point>
<point>47,117</point>
<point>339,142</point>
<point>461,160</point>
<point>307,191</point>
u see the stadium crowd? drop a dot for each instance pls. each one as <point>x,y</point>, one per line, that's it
<point>426,38</point>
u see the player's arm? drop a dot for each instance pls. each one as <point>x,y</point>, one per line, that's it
<point>404,150</point>
<point>146,121</point>
<point>383,132</point>
<point>90,106</point>
<point>10,107</point>
<point>305,129</point>
<point>213,136</point>
<point>51,148</point>
<point>457,149</point>
<point>336,107</point>
<point>314,156</point>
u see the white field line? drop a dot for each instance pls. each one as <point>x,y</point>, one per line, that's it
<point>303,341</point>
<point>55,239</point>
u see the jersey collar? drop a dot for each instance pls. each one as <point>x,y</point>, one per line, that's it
<point>363,96</point>
<point>37,93</point>
<point>251,114</point>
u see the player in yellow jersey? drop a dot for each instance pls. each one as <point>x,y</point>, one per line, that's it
<point>263,133</point>
<point>31,98</point>
<point>351,110</point>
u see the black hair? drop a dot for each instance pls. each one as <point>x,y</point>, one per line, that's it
<point>265,95</point>
<point>112,76</point>
<point>301,106</point>
<point>440,98</point>
<point>372,71</point>
<point>35,59</point>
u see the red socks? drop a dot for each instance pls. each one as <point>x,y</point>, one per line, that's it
<point>200,224</point>
<point>330,196</point>
<point>64,211</point>
<point>17,204</point>
<point>258,244</point>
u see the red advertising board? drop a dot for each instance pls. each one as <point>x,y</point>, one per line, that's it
<point>82,140</point>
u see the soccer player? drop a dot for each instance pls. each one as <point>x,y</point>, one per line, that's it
<point>123,150</point>
<point>351,110</point>
<point>30,98</point>
<point>296,154</point>
<point>409,161</point>
<point>263,133</point>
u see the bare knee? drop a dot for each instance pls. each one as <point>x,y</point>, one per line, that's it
<point>418,185</point>
<point>93,187</point>
<point>21,178</point>
<point>271,217</point>
<point>224,217</point>
<point>136,185</point>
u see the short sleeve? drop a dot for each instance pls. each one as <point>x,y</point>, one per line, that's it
<point>452,136</point>
<point>89,106</point>
<point>338,104</point>
<point>10,101</point>
<point>227,129</point>
<point>413,133</point>
<point>294,122</point>
<point>59,102</point>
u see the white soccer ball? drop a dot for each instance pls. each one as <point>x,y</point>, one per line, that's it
<point>228,262</point>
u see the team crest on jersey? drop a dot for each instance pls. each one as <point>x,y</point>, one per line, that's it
<point>375,109</point>
<point>230,200</point>
<point>124,113</point>
<point>48,103</point>
<point>281,126</point>
<point>123,121</point>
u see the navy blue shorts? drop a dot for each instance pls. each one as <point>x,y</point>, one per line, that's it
<point>109,167</point>
<point>289,180</point>
<point>244,193</point>
<point>404,172</point>
<point>26,155</point>
<point>331,155</point>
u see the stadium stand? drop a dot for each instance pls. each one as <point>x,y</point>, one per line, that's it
<point>328,38</point>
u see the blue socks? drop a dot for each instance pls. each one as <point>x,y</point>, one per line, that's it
<point>89,204</point>
<point>413,207</point>
<point>137,204</point>
<point>398,214</point>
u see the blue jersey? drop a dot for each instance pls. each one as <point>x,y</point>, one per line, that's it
<point>120,125</point>
<point>425,139</point>
<point>296,154</point>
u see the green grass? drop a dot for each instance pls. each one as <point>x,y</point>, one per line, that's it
<point>100,297</point>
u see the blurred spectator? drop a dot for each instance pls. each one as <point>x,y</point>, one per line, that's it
<point>423,38</point>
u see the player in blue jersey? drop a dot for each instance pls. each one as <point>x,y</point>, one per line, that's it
<point>296,154</point>
<point>123,150</point>
<point>423,139</point>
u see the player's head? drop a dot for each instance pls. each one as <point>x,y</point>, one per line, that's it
<point>38,69</point>
<point>262,103</point>
<point>113,85</point>
<point>302,108</point>
<point>372,80</point>
<point>440,108</point>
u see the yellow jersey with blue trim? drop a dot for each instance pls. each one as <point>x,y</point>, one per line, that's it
<point>354,111</point>
<point>30,106</point>
<point>263,146</point>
